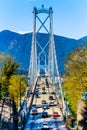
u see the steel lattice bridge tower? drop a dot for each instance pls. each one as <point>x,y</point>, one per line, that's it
<point>43,56</point>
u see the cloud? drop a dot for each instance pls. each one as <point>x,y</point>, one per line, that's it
<point>23,32</point>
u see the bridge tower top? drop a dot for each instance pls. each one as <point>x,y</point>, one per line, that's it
<point>42,10</point>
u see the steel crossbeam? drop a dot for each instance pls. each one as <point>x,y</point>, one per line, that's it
<point>42,24</point>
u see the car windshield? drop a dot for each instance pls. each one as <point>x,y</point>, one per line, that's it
<point>34,110</point>
<point>43,101</point>
<point>33,105</point>
<point>45,123</point>
<point>51,102</point>
<point>44,113</point>
<point>50,96</point>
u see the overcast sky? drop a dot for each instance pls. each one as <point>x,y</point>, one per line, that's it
<point>69,16</point>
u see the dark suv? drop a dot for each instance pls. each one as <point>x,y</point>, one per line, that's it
<point>50,97</point>
<point>44,114</point>
<point>43,102</point>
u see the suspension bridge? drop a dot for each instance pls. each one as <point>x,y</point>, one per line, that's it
<point>43,71</point>
<point>43,106</point>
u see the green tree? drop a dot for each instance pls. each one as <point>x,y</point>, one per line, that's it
<point>76,75</point>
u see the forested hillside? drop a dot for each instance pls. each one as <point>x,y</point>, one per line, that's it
<point>19,45</point>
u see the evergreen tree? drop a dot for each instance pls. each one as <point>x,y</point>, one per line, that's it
<point>8,67</point>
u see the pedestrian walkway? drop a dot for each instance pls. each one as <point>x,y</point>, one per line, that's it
<point>5,112</point>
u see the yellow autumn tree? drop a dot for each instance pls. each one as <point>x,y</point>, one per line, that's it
<point>76,76</point>
<point>17,87</point>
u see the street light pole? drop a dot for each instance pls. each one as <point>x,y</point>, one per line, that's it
<point>15,116</point>
<point>20,93</point>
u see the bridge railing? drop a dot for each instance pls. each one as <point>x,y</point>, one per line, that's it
<point>26,107</point>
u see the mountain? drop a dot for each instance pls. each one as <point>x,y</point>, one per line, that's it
<point>19,46</point>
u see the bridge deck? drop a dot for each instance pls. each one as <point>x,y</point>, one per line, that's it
<point>37,120</point>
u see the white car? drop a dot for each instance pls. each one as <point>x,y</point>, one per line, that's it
<point>45,125</point>
<point>60,124</point>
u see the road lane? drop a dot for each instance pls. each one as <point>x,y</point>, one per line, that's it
<point>36,122</point>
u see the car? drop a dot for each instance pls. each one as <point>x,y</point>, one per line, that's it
<point>51,104</point>
<point>55,114</point>
<point>34,105</point>
<point>36,89</point>
<point>61,124</point>
<point>53,93</point>
<point>44,92</point>
<point>34,111</point>
<point>44,114</point>
<point>50,97</point>
<point>43,101</point>
<point>37,95</point>
<point>45,106</point>
<point>29,92</point>
<point>45,126</point>
<point>36,92</point>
